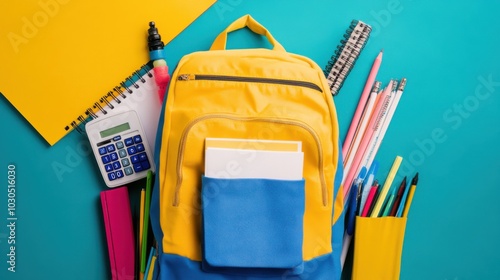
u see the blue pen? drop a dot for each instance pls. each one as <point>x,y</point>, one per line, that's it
<point>353,202</point>
<point>351,213</point>
<point>367,183</point>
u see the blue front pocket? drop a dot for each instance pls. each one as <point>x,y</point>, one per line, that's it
<point>253,223</point>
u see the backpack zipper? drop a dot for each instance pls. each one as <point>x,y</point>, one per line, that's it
<point>182,147</point>
<point>224,78</point>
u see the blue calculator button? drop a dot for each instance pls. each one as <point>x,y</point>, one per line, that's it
<point>105,159</point>
<point>110,148</point>
<point>135,159</point>
<point>113,156</point>
<point>125,162</point>
<point>143,157</point>
<point>122,153</point>
<point>111,176</point>
<point>140,147</point>
<point>128,171</point>
<point>116,165</point>
<point>119,174</point>
<point>129,141</point>
<point>108,167</point>
<point>119,145</point>
<point>137,139</point>
<point>102,150</point>
<point>131,150</point>
<point>138,167</point>
<point>145,165</point>
<point>116,138</point>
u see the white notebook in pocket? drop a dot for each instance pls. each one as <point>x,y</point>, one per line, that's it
<point>249,163</point>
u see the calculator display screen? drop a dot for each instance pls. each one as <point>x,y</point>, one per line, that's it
<point>114,130</point>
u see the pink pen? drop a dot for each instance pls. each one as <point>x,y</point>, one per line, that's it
<point>369,200</point>
<point>361,104</point>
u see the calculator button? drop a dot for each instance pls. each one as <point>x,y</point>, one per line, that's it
<point>113,156</point>
<point>110,148</point>
<point>128,171</point>
<point>116,138</point>
<point>102,150</point>
<point>145,165</point>
<point>108,167</point>
<point>129,141</point>
<point>135,159</point>
<point>143,157</point>
<point>119,174</point>
<point>131,150</point>
<point>105,159</point>
<point>125,162</point>
<point>137,139</point>
<point>140,147</point>
<point>111,176</point>
<point>122,153</point>
<point>119,145</point>
<point>138,167</point>
<point>116,165</point>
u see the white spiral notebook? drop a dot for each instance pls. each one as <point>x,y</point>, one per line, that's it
<point>139,93</point>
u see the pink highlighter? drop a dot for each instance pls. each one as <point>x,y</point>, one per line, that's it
<point>157,55</point>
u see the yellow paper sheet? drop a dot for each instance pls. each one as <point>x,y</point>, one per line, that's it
<point>58,57</point>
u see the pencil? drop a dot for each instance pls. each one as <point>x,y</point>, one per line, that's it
<point>141,221</point>
<point>362,101</point>
<point>413,186</point>
<point>397,201</point>
<point>386,187</point>
<point>149,181</point>
<point>388,206</point>
<point>365,118</point>
<point>375,143</point>
<point>403,201</point>
<point>373,127</point>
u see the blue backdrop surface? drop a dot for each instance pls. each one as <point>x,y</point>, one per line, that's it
<point>446,128</point>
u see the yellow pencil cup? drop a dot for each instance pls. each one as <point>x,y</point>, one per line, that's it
<point>378,246</point>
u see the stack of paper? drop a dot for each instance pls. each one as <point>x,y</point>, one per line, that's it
<point>249,158</point>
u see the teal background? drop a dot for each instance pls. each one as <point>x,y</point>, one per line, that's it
<point>444,128</point>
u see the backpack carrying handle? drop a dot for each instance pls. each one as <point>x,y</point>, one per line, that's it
<point>242,22</point>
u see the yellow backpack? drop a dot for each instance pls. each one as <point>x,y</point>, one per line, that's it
<point>250,228</point>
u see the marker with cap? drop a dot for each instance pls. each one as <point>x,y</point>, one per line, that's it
<point>157,55</point>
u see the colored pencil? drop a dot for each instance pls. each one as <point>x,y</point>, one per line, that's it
<point>362,102</point>
<point>386,187</point>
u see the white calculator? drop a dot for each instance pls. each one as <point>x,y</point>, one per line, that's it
<point>120,147</point>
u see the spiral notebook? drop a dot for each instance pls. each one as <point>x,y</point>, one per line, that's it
<point>346,54</point>
<point>59,57</point>
<point>138,92</point>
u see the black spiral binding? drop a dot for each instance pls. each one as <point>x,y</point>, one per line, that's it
<point>346,54</point>
<point>105,104</point>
